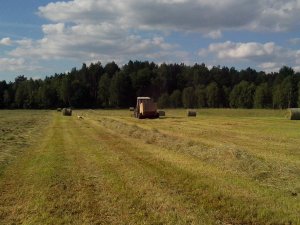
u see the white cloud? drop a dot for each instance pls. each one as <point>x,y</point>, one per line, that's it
<point>24,42</point>
<point>106,30</point>
<point>203,52</point>
<point>8,62</point>
<point>267,56</point>
<point>294,41</point>
<point>243,50</point>
<point>6,41</point>
<point>182,15</point>
<point>16,65</point>
<point>89,30</point>
<point>90,42</point>
<point>270,66</point>
<point>278,15</point>
<point>53,28</point>
<point>215,34</point>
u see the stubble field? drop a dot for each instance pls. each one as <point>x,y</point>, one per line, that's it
<point>222,167</point>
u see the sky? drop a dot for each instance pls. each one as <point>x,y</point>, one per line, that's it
<point>41,37</point>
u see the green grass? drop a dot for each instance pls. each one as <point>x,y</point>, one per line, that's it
<point>18,130</point>
<point>222,167</point>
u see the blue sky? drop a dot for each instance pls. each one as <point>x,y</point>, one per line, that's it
<point>43,37</point>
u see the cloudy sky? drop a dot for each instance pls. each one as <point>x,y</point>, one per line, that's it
<point>41,37</point>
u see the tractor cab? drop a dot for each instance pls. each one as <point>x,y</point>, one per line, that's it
<point>145,108</point>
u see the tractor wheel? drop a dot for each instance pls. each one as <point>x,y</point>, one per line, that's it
<point>140,116</point>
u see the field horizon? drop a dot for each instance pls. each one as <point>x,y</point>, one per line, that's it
<point>225,166</point>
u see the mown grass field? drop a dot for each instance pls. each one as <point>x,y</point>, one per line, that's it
<point>222,167</point>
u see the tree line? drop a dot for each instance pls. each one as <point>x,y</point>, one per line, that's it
<point>171,85</point>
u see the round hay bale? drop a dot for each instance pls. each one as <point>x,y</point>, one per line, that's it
<point>67,112</point>
<point>131,109</point>
<point>58,109</point>
<point>294,114</point>
<point>161,113</point>
<point>191,113</point>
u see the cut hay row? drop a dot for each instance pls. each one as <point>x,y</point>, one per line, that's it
<point>194,148</point>
<point>18,130</point>
<point>109,168</point>
<point>236,159</point>
<point>294,114</point>
<point>228,159</point>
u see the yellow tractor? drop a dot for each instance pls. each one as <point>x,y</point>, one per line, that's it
<point>145,108</point>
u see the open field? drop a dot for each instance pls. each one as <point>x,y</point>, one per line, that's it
<point>18,130</point>
<point>222,167</point>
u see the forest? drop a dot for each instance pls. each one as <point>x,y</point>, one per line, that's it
<point>171,85</point>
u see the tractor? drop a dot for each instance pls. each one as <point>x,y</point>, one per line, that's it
<point>145,108</point>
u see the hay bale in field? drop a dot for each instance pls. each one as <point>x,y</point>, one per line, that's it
<point>161,113</point>
<point>294,114</point>
<point>58,109</point>
<point>191,113</point>
<point>131,109</point>
<point>67,112</point>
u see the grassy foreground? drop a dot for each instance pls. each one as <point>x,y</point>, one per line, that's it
<point>223,167</point>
